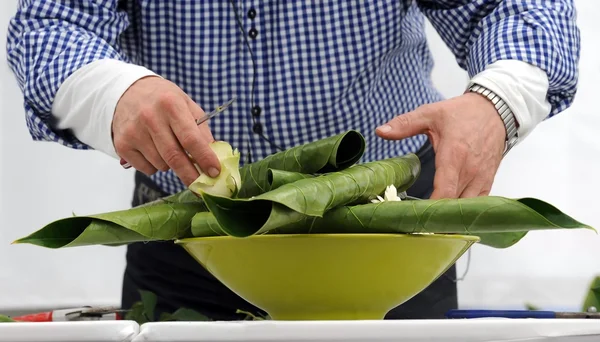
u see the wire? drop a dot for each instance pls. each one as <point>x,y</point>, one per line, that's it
<point>467,268</point>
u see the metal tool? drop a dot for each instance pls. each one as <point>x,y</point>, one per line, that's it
<point>86,313</point>
<point>515,314</point>
<point>404,196</point>
<point>199,121</point>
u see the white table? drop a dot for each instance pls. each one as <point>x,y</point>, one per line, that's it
<point>474,330</point>
<point>94,331</point>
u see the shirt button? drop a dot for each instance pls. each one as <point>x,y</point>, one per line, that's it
<point>252,13</point>
<point>253,33</point>
<point>256,111</point>
<point>257,128</point>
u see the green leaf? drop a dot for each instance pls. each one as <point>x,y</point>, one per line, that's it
<point>6,319</point>
<point>499,222</point>
<point>277,178</point>
<point>327,155</point>
<point>144,310</point>
<point>204,223</point>
<point>253,317</point>
<point>592,298</point>
<point>188,315</point>
<point>137,313</point>
<point>160,221</point>
<point>531,307</point>
<point>149,301</point>
<point>291,202</point>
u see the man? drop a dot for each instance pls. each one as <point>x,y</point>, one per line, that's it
<point>130,77</point>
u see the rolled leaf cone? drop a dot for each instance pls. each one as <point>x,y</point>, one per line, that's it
<point>204,224</point>
<point>291,202</point>
<point>499,222</point>
<point>322,156</point>
<point>277,178</point>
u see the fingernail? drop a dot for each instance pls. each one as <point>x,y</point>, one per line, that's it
<point>213,172</point>
<point>384,128</point>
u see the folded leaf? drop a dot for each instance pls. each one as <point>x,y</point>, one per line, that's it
<point>327,155</point>
<point>500,222</point>
<point>164,221</point>
<point>312,196</point>
<point>205,224</point>
<point>277,178</point>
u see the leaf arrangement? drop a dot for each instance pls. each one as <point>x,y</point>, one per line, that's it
<point>318,187</point>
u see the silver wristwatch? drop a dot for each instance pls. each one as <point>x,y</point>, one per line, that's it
<point>506,114</point>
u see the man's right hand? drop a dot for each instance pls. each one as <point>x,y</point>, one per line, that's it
<point>153,127</point>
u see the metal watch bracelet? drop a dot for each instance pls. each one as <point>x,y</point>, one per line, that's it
<point>506,114</point>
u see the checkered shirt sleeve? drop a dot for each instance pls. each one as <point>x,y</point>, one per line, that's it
<point>540,32</point>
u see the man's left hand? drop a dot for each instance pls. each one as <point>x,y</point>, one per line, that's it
<point>468,137</point>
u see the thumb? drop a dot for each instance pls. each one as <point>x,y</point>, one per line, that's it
<point>404,126</point>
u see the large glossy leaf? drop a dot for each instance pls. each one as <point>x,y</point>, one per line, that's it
<point>312,196</point>
<point>500,222</point>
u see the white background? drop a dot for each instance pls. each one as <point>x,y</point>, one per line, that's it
<point>559,163</point>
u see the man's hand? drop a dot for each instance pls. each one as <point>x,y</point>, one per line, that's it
<point>468,137</point>
<point>154,124</point>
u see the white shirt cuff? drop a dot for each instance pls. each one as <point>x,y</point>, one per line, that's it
<point>523,87</point>
<point>85,103</point>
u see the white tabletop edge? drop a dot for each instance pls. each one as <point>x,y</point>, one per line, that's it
<point>83,331</point>
<point>413,330</point>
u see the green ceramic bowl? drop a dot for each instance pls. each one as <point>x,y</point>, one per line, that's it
<point>328,276</point>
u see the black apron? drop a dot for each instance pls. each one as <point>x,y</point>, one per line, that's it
<point>179,281</point>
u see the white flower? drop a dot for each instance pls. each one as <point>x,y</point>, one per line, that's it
<point>229,181</point>
<point>390,194</point>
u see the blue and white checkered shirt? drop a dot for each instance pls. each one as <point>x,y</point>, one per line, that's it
<point>323,67</point>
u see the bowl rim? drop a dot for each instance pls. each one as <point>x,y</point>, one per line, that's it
<point>467,238</point>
